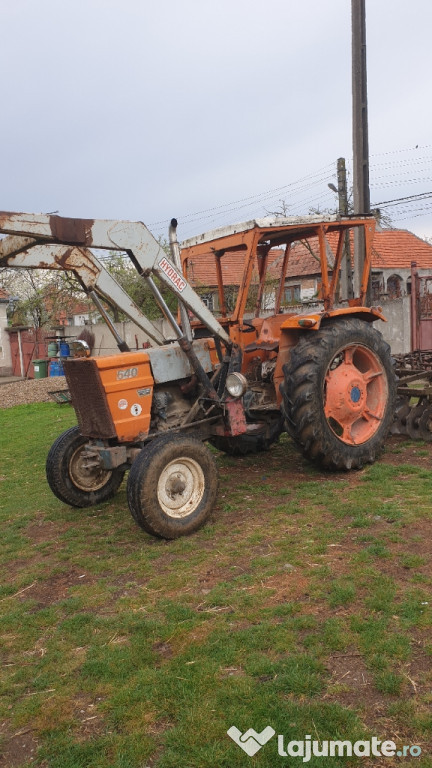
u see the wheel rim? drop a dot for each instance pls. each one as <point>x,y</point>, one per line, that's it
<point>181,487</point>
<point>86,478</point>
<point>355,394</point>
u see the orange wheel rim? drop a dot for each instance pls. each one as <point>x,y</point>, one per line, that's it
<point>355,394</point>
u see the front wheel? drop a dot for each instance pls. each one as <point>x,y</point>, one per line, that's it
<point>172,486</point>
<point>69,477</point>
<point>339,394</point>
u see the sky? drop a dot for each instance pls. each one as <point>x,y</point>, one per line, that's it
<point>212,112</point>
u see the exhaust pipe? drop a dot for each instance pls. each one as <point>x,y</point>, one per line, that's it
<point>175,254</point>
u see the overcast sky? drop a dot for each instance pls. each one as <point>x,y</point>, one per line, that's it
<point>212,112</point>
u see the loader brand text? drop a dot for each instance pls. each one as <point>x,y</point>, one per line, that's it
<point>172,274</point>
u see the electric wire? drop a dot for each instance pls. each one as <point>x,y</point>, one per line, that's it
<point>305,193</point>
<point>255,198</point>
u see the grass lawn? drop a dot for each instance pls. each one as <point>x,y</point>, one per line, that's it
<point>304,604</point>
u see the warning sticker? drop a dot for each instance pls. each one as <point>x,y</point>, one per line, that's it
<point>144,392</point>
<point>172,274</point>
<point>136,409</point>
<point>122,404</point>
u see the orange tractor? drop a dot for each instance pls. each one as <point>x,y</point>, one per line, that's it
<point>235,377</point>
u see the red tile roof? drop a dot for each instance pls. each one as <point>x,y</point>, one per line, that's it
<point>302,261</point>
<point>392,249</point>
<point>201,271</point>
<point>397,248</point>
<point>3,294</point>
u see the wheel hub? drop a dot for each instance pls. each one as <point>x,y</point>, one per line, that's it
<point>346,392</point>
<point>355,394</point>
<point>176,485</point>
<point>181,487</point>
<point>87,476</point>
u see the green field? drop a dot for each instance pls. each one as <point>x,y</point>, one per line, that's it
<point>304,604</point>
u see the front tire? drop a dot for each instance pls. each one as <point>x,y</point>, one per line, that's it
<point>339,394</point>
<point>172,486</point>
<point>69,478</point>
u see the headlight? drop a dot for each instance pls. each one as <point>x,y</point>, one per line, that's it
<point>236,384</point>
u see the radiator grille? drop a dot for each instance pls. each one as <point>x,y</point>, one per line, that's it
<point>89,398</point>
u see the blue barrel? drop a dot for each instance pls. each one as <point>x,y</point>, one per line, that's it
<point>56,368</point>
<point>64,349</point>
<point>53,368</point>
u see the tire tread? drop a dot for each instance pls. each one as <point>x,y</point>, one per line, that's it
<point>302,404</point>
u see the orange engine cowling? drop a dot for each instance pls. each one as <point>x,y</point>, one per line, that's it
<point>112,396</point>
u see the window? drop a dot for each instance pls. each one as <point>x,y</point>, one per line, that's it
<point>208,300</point>
<point>394,287</point>
<point>292,294</point>
<point>377,285</point>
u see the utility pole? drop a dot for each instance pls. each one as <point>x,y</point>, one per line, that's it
<point>360,135</point>
<point>346,281</point>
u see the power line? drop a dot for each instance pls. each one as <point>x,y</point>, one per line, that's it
<point>404,181</point>
<point>414,215</point>
<point>408,161</point>
<point>257,203</point>
<point>256,197</point>
<point>401,175</point>
<point>291,193</point>
<point>400,200</point>
<point>400,151</point>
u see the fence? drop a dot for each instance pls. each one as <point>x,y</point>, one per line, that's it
<point>26,345</point>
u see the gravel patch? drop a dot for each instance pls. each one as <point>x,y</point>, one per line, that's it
<point>30,391</point>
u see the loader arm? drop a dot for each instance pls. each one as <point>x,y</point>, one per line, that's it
<point>145,252</point>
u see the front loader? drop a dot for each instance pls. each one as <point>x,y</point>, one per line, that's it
<point>236,380</point>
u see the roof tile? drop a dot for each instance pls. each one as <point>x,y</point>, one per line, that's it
<point>391,249</point>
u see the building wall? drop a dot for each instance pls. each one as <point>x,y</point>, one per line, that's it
<point>104,341</point>
<point>308,287</point>
<point>397,331</point>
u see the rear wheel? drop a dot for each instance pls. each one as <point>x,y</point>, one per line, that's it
<point>69,477</point>
<point>339,394</point>
<point>172,486</point>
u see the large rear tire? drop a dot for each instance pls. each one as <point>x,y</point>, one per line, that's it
<point>339,393</point>
<point>70,479</point>
<point>172,486</point>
